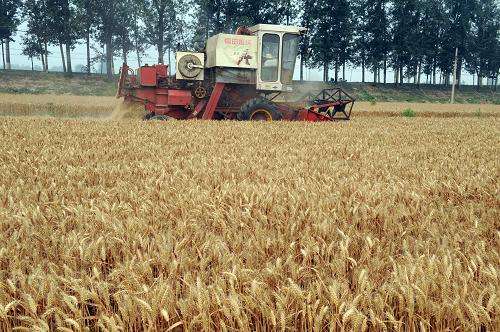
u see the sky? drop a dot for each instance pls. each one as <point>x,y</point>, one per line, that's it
<point>78,58</point>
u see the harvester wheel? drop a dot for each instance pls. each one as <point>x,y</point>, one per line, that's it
<point>259,109</point>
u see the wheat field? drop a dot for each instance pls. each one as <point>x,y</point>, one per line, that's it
<point>379,224</point>
<point>99,107</point>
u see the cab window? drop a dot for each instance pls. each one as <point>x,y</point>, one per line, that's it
<point>289,54</point>
<point>270,57</point>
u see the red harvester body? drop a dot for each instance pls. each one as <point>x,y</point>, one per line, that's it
<point>238,77</point>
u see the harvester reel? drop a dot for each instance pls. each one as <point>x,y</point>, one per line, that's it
<point>190,66</point>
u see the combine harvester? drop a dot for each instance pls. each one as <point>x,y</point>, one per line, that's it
<point>238,76</point>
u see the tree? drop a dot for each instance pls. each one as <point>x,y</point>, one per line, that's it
<point>123,31</point>
<point>405,23</point>
<point>9,20</point>
<point>253,12</point>
<point>32,49</point>
<point>483,44</point>
<point>342,29</point>
<point>306,20</point>
<point>321,39</point>
<point>138,36</point>
<point>39,29</point>
<point>331,36</point>
<point>431,33</point>
<point>459,16</point>
<point>376,37</point>
<point>86,12</point>
<point>164,23</point>
<point>360,21</point>
<point>212,17</point>
<point>108,19</point>
<point>64,26</point>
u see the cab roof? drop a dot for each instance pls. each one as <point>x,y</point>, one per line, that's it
<point>278,28</point>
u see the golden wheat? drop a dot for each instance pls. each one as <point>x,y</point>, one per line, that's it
<point>374,224</point>
<point>70,106</point>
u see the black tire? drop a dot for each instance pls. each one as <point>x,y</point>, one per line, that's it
<point>259,109</point>
<point>148,116</point>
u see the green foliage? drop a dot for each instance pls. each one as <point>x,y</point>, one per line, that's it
<point>331,34</point>
<point>9,17</point>
<point>483,52</point>
<point>412,36</point>
<point>366,96</point>
<point>409,113</point>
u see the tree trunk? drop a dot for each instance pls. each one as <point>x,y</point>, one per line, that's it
<point>363,70</point>
<point>336,71</point>
<point>43,61</point>
<point>169,59</point>
<point>385,70</point>
<point>419,73</point>
<point>301,68</point>
<point>88,51</point>
<point>62,57</point>
<point>343,72</point>
<point>102,59</point>
<point>109,56</point>
<point>3,55</point>
<point>325,71</point>
<point>46,57</point>
<point>32,66</point>
<point>459,72</point>
<point>434,74</point>
<point>160,38</point>
<point>124,55</point>
<point>479,80</point>
<point>68,59</point>
<point>401,75</point>
<point>138,56</point>
<point>375,75</point>
<point>7,53</point>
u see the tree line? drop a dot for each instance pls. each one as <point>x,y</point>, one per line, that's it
<point>413,39</point>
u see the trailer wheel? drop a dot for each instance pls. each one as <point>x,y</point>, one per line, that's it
<point>259,109</point>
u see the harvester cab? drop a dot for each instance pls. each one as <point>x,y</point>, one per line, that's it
<point>263,55</point>
<point>232,79</point>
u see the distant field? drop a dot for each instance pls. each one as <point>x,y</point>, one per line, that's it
<point>102,106</point>
<point>203,225</point>
<point>27,82</point>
